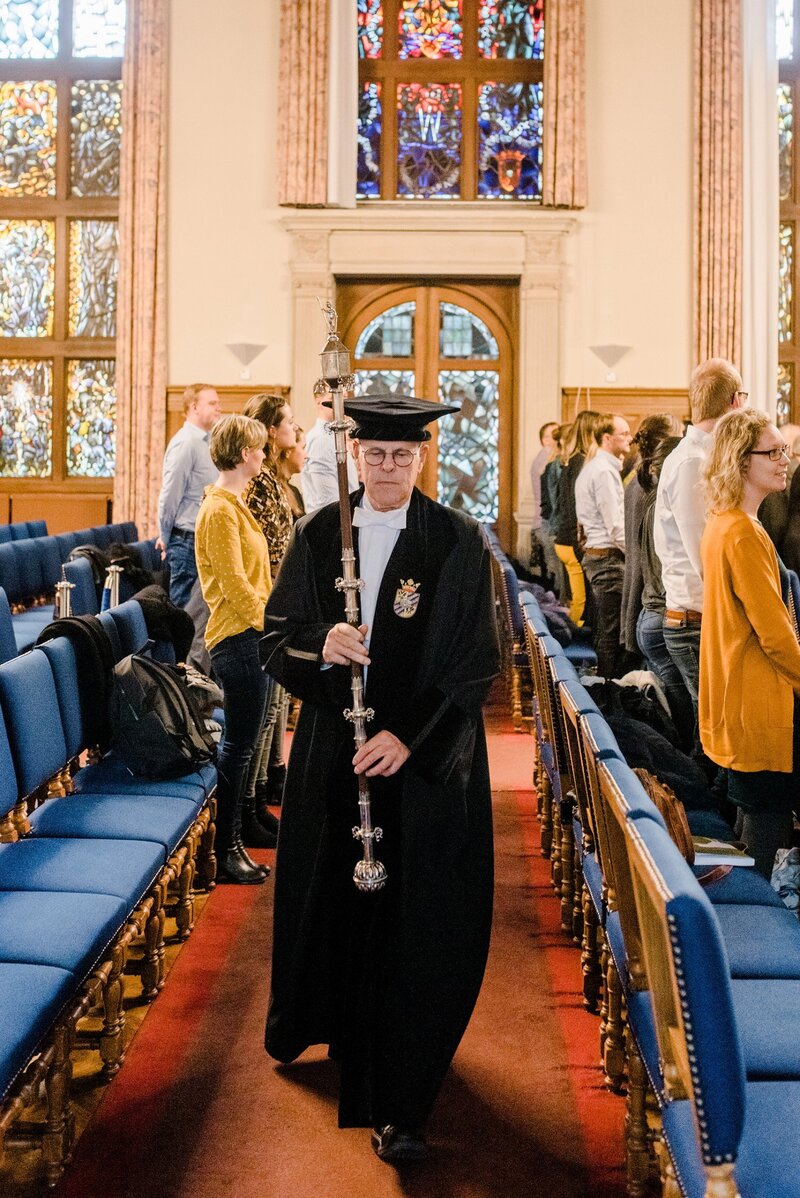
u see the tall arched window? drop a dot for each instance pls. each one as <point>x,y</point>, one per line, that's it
<point>60,105</point>
<point>450,99</point>
<point>445,343</point>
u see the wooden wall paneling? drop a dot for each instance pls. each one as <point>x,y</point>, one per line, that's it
<point>634,403</point>
<point>63,512</point>
<point>232,399</point>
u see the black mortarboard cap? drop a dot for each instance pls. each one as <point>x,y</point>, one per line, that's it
<point>389,417</point>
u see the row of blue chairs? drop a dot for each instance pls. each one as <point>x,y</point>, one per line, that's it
<point>512,633</point>
<point>30,569</point>
<point>21,530</point>
<point>91,860</point>
<point>696,972</point>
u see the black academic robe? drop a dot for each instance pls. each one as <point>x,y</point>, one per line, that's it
<point>388,980</point>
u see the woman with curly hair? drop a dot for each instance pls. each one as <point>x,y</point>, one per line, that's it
<point>749,652</point>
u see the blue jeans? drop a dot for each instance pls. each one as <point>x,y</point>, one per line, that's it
<point>182,566</point>
<point>683,646</point>
<point>650,639</point>
<point>244,684</point>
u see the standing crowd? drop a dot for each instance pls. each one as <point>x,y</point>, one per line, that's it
<point>675,551</point>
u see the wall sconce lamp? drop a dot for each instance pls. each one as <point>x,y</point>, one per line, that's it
<point>244,352</point>
<point>609,355</point>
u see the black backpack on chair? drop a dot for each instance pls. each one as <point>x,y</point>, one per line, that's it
<point>156,726</point>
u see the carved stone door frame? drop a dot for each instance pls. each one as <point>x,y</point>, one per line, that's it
<point>438,242</point>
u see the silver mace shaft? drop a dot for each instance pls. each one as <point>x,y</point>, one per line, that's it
<point>369,874</point>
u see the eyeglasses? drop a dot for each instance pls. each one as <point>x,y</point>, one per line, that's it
<point>400,457</point>
<point>775,454</point>
<point>742,395</point>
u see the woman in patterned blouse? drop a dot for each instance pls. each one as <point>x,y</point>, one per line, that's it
<point>266,498</point>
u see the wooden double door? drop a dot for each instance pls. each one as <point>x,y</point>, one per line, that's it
<point>450,341</point>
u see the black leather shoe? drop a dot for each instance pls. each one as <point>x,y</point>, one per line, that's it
<point>235,866</point>
<point>398,1147</point>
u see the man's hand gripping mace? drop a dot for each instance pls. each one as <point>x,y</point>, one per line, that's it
<point>370,874</point>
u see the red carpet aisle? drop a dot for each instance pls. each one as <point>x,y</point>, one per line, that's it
<point>199,1111</point>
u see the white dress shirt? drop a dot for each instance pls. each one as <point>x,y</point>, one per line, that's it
<point>376,540</point>
<point>600,502</point>
<point>318,476</point>
<point>537,470</point>
<point>680,518</point>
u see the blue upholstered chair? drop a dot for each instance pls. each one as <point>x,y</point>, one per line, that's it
<point>730,1090</point>
<point>9,573</point>
<point>66,542</point>
<point>5,534</point>
<point>19,530</point>
<point>129,531</point>
<point>131,626</point>
<point>103,535</point>
<point>29,565</point>
<point>110,628</point>
<point>37,528</point>
<point>84,597</point>
<point>8,644</point>
<point>50,551</point>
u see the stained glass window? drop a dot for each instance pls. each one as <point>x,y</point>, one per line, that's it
<point>91,416</point>
<point>783,411</point>
<point>430,29</point>
<point>377,382</point>
<point>26,417</point>
<point>510,149</point>
<point>464,335</point>
<point>28,28</point>
<point>428,140</point>
<point>370,121</point>
<point>98,28</point>
<point>511,29</point>
<point>28,138</point>
<point>27,276</point>
<point>468,457</point>
<point>784,28</point>
<point>93,248</point>
<point>95,136</point>
<point>450,99</point>
<point>785,139</point>
<point>390,335</point>
<point>370,28</point>
<point>59,188</point>
<point>785,268</point>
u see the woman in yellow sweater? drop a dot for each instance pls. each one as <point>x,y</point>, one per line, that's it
<point>233,566</point>
<point>749,653</point>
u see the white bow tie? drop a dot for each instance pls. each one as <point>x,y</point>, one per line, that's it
<point>364,518</point>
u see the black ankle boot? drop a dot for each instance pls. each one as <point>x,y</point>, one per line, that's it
<point>257,834</point>
<point>235,866</point>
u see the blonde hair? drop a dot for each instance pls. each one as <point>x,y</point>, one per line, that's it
<point>735,437</point>
<point>712,388</point>
<point>581,435</point>
<point>231,436</point>
<point>191,393</point>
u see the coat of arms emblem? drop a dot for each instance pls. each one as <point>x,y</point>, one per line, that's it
<point>406,600</point>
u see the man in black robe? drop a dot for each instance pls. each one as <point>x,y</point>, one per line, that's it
<point>389,979</point>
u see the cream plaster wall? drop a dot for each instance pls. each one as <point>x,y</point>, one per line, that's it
<point>629,262</point>
<point>228,279</point>
<point>630,279</point>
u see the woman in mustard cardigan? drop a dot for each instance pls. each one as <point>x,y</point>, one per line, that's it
<point>749,653</point>
<point>234,571</point>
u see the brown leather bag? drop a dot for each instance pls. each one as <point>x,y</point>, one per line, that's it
<point>672,811</point>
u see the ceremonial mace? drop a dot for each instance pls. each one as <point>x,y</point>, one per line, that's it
<point>369,874</point>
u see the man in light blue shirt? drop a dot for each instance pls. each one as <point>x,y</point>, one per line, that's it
<point>188,470</point>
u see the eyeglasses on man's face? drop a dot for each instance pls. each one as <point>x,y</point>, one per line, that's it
<point>742,395</point>
<point>775,454</point>
<point>400,457</point>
